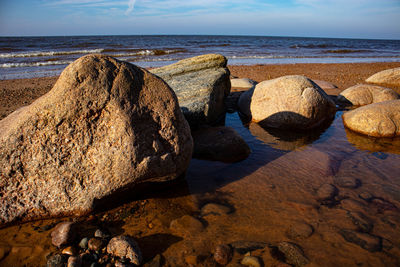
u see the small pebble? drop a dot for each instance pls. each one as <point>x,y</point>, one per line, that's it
<point>293,254</point>
<point>63,234</point>
<point>214,209</point>
<point>125,246</point>
<point>95,244</point>
<point>101,234</point>
<point>56,260</point>
<point>327,192</point>
<point>84,243</point>
<point>74,261</point>
<point>366,196</point>
<point>223,254</point>
<point>300,230</point>
<point>71,251</point>
<point>251,261</point>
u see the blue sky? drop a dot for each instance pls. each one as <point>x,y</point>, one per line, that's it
<point>313,18</point>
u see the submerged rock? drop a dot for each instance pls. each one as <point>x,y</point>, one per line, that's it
<point>220,144</point>
<point>293,254</point>
<point>186,226</point>
<point>201,84</point>
<point>366,241</point>
<point>214,209</point>
<point>390,76</point>
<point>63,234</point>
<point>300,231</point>
<point>327,192</point>
<point>56,260</point>
<point>105,126</point>
<point>290,102</point>
<point>223,254</point>
<point>378,120</point>
<point>365,94</point>
<point>125,246</point>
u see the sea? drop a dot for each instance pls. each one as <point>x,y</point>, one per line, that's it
<point>27,57</point>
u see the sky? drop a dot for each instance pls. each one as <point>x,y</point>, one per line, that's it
<point>373,19</point>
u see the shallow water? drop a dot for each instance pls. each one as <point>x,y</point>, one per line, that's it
<point>269,193</point>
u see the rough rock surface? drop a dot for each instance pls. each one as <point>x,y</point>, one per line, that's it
<point>390,76</point>
<point>125,246</point>
<point>105,126</point>
<point>290,102</point>
<point>365,94</point>
<point>201,84</point>
<point>244,83</point>
<point>220,144</point>
<point>379,120</point>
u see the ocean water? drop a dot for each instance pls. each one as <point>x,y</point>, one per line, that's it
<point>25,57</point>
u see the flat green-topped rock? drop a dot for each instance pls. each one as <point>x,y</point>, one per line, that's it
<point>201,84</point>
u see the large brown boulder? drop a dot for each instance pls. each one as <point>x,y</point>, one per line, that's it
<point>201,84</point>
<point>105,126</point>
<point>365,94</point>
<point>290,102</point>
<point>379,120</point>
<point>390,76</point>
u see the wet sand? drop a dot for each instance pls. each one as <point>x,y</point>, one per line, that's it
<point>271,195</point>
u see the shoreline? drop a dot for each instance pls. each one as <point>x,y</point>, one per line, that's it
<point>16,93</point>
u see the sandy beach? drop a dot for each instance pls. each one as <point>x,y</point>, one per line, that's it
<point>21,92</point>
<point>282,177</point>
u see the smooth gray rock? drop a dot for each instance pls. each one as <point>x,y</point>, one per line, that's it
<point>201,84</point>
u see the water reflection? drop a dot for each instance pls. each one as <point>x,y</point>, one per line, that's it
<point>372,144</point>
<point>284,139</point>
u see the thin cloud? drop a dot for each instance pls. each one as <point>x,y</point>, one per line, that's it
<point>131,7</point>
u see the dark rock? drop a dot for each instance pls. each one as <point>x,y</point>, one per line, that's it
<point>363,223</point>
<point>74,261</point>
<point>101,234</point>
<point>186,226</point>
<point>56,260</point>
<point>63,234</point>
<point>106,126</point>
<point>243,246</point>
<point>366,241</point>
<point>220,144</point>
<point>244,102</point>
<point>293,254</point>
<point>327,192</point>
<point>214,209</point>
<point>382,204</point>
<point>366,196</point>
<point>96,244</point>
<point>201,84</point>
<point>300,231</point>
<point>347,182</point>
<point>84,243</point>
<point>125,246</point>
<point>223,254</point>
